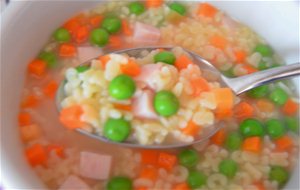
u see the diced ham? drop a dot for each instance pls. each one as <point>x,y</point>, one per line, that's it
<point>144,33</point>
<point>147,73</point>
<point>143,105</point>
<point>229,23</point>
<point>95,166</point>
<point>86,53</point>
<point>74,182</point>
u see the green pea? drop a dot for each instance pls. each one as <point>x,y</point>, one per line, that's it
<point>188,158</point>
<point>278,96</point>
<point>233,141</point>
<point>275,128</point>
<point>258,92</point>
<point>264,50</point>
<point>279,174</point>
<point>50,59</point>
<point>136,8</point>
<point>62,35</point>
<point>179,8</point>
<point>117,129</point>
<point>111,24</point>
<point>119,183</point>
<point>228,168</point>
<point>166,103</point>
<point>165,57</point>
<point>251,127</point>
<point>82,68</point>
<point>262,66</point>
<point>99,37</point>
<point>292,124</point>
<point>196,179</point>
<point>122,87</point>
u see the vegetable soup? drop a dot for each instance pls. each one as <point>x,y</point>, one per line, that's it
<point>153,97</point>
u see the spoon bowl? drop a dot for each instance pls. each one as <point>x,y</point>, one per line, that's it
<point>238,85</point>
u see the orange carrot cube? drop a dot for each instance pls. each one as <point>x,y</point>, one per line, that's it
<point>166,160</point>
<point>37,67</point>
<point>30,132</point>
<point>36,155</point>
<point>50,89</point>
<point>24,119</point>
<point>252,144</point>
<point>207,10</point>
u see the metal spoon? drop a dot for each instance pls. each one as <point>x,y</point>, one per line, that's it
<point>238,86</point>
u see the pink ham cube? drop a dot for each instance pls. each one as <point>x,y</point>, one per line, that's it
<point>85,53</point>
<point>147,73</point>
<point>143,106</point>
<point>95,166</point>
<point>74,182</point>
<point>144,33</point>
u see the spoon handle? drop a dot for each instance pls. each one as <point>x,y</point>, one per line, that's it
<point>248,82</point>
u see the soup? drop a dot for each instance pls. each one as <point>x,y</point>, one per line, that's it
<point>257,147</point>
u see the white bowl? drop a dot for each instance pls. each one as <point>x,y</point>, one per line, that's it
<point>26,26</point>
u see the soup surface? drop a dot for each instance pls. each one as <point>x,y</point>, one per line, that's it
<point>256,148</point>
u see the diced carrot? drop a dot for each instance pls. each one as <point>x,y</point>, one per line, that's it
<point>149,157</point>
<point>181,186</point>
<point>182,62</point>
<point>207,10</point>
<point>59,150</point>
<point>166,160</point>
<point>115,41</point>
<point>104,59</point>
<point>154,3</point>
<point>199,85</point>
<point>24,119</point>
<point>284,143</point>
<point>81,34</point>
<point>140,188</point>
<point>290,107</point>
<point>50,89</point>
<point>95,20</point>
<point>29,101</point>
<point>259,185</point>
<point>74,23</point>
<point>191,129</point>
<point>37,67</point>
<point>243,110</point>
<point>250,69</point>
<point>219,137</point>
<point>123,107</point>
<point>252,144</point>
<point>67,50</point>
<point>131,68</point>
<point>265,105</point>
<point>218,41</point>
<point>240,56</point>
<point>224,99</point>
<point>223,114</point>
<point>70,117</point>
<point>36,155</point>
<point>126,28</point>
<point>30,132</point>
<point>149,173</point>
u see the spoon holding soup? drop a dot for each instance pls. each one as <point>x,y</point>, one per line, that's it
<point>142,85</point>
